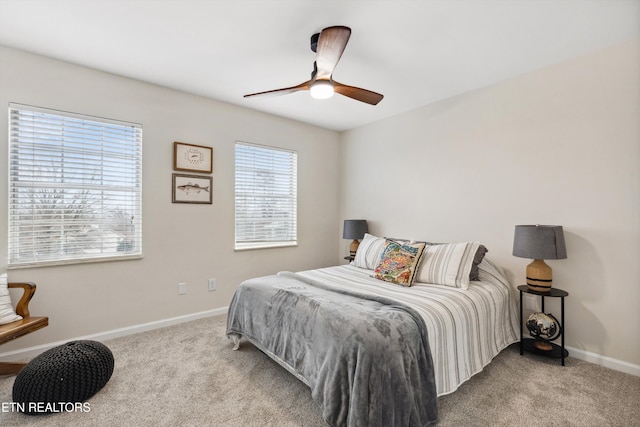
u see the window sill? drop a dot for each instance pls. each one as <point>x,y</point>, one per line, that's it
<point>265,245</point>
<point>72,261</point>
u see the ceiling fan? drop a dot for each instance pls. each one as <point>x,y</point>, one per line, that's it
<point>328,46</point>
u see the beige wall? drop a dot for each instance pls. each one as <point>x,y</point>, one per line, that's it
<point>182,243</point>
<point>556,146</point>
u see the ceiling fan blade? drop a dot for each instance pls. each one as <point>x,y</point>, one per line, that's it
<point>283,91</point>
<point>330,46</point>
<point>357,93</point>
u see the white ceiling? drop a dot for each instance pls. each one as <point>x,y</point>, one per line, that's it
<point>414,52</point>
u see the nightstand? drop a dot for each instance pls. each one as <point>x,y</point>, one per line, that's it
<point>557,351</point>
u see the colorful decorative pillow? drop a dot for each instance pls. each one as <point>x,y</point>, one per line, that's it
<point>369,252</point>
<point>407,240</point>
<point>448,264</point>
<point>399,262</point>
<point>7,313</point>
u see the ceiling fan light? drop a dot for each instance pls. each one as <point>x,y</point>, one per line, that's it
<point>321,89</point>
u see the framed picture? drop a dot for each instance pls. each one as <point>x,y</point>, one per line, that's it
<point>192,158</point>
<point>191,189</point>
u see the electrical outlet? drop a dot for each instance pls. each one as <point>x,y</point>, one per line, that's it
<point>212,284</point>
<point>182,288</point>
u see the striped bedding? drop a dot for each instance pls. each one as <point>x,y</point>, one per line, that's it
<point>467,328</point>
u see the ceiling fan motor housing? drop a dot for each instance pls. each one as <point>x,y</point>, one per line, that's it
<point>314,41</point>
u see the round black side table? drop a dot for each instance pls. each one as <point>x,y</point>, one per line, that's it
<point>557,351</point>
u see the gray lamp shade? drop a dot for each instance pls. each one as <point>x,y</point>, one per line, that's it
<point>354,228</point>
<point>539,242</point>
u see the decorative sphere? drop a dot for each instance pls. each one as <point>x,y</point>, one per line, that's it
<point>543,326</point>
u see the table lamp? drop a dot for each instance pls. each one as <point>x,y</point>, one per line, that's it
<point>539,242</point>
<point>354,229</point>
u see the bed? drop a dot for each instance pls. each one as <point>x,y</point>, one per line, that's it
<point>373,352</point>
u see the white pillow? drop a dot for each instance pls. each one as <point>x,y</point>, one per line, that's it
<point>369,252</point>
<point>7,313</point>
<point>448,264</point>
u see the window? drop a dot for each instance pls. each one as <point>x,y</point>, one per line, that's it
<point>266,196</point>
<point>75,187</point>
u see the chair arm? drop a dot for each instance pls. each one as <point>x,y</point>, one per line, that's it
<point>29,288</point>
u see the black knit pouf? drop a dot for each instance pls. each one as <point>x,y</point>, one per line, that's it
<point>63,375</point>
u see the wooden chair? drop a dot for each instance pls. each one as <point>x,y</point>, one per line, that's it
<point>28,324</point>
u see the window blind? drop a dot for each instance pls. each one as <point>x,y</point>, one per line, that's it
<point>265,196</point>
<point>75,187</point>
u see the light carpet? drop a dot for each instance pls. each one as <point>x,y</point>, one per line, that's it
<point>187,375</point>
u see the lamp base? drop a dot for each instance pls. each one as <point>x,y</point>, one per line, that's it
<point>353,248</point>
<point>541,345</point>
<point>539,276</point>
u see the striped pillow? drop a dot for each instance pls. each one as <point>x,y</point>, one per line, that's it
<point>369,252</point>
<point>7,313</point>
<point>448,264</point>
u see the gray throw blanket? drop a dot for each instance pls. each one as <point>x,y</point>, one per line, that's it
<point>366,359</point>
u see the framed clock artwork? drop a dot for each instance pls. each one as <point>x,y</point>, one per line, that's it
<point>192,158</point>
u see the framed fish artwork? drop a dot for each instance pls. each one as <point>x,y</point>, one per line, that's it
<point>192,158</point>
<point>191,189</point>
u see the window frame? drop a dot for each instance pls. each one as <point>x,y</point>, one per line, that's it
<point>113,232</point>
<point>293,211</point>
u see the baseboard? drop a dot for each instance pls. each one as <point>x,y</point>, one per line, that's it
<point>31,352</point>
<point>607,362</point>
